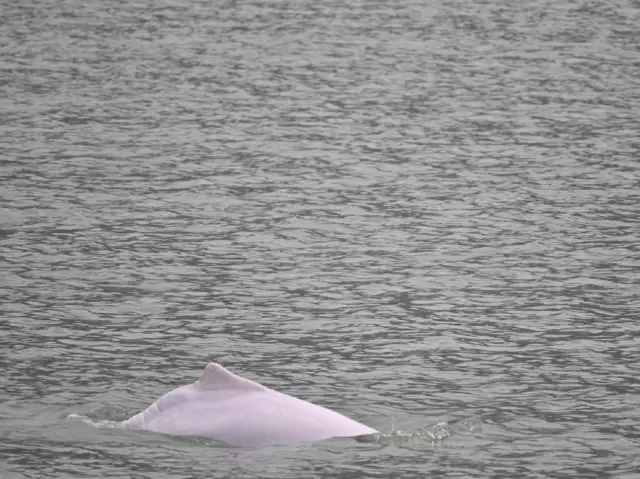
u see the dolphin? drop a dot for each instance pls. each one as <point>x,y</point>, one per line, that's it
<point>226,407</point>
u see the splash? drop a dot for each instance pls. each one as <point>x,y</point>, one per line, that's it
<point>436,434</point>
<point>105,423</point>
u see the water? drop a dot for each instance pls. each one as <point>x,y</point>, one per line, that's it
<point>413,212</point>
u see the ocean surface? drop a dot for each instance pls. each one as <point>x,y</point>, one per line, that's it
<point>422,214</point>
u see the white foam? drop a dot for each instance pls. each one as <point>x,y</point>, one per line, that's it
<point>99,424</point>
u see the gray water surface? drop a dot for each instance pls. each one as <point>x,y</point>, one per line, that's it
<point>410,212</point>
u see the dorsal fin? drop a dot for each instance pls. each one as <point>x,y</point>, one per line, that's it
<point>217,377</point>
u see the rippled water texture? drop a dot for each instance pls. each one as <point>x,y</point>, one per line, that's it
<point>410,212</point>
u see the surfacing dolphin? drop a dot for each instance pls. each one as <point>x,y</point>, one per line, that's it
<point>240,412</point>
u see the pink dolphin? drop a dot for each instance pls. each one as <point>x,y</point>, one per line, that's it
<point>240,412</point>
